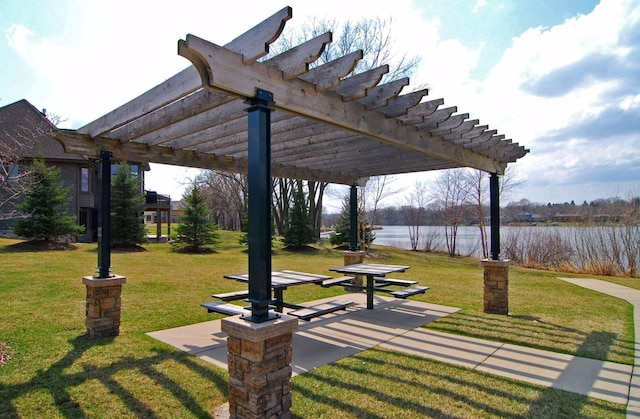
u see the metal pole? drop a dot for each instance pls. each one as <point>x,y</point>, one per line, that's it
<point>259,133</point>
<point>104,216</point>
<point>353,220</point>
<point>494,192</point>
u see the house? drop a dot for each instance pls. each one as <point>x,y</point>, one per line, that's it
<point>23,133</point>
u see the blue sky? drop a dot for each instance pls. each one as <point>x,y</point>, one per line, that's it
<point>561,77</point>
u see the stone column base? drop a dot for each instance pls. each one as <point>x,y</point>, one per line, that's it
<point>496,286</point>
<point>259,358</point>
<point>103,305</point>
<point>352,257</point>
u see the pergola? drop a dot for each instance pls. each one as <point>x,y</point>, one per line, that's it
<point>282,117</point>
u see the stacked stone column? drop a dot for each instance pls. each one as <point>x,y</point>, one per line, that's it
<point>496,286</point>
<point>103,305</point>
<point>351,258</point>
<point>259,359</point>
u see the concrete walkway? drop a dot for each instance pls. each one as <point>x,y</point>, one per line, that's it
<point>632,296</point>
<point>395,324</point>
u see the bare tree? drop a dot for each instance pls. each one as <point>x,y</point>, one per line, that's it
<point>478,186</point>
<point>373,37</point>
<point>16,143</point>
<point>376,190</point>
<point>451,193</point>
<point>227,194</point>
<point>414,211</point>
<point>282,190</point>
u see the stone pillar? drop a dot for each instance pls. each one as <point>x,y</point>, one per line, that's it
<point>259,358</point>
<point>103,305</point>
<point>352,257</point>
<point>496,286</point>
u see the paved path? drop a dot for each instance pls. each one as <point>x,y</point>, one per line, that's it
<point>395,324</point>
<point>632,296</point>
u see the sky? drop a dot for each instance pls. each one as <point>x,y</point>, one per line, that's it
<point>561,77</point>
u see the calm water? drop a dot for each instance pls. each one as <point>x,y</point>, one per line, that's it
<point>398,236</point>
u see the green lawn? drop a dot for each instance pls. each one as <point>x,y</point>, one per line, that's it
<point>55,371</point>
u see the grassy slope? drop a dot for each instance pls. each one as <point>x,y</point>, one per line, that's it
<point>56,371</point>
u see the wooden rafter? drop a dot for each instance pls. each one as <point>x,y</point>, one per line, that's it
<point>329,124</point>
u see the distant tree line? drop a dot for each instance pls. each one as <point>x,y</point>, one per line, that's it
<point>610,210</point>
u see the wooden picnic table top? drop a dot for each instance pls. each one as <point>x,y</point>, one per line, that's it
<point>284,278</point>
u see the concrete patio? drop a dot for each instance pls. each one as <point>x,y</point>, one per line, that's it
<point>394,324</point>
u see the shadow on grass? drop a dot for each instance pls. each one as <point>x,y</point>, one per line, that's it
<point>56,379</point>
<point>381,384</point>
<point>536,333</point>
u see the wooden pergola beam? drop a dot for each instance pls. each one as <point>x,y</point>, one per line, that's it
<point>226,72</point>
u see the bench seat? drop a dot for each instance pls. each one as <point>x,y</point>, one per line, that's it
<point>308,313</point>
<point>342,280</point>
<point>382,281</point>
<point>231,296</point>
<point>224,308</point>
<point>408,292</point>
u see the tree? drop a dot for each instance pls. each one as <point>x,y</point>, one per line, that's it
<point>228,194</point>
<point>298,231</point>
<point>477,184</point>
<point>414,212</point>
<point>342,235</point>
<point>376,190</point>
<point>43,205</point>
<point>451,193</point>
<point>16,142</point>
<point>374,38</point>
<point>196,231</point>
<point>127,209</point>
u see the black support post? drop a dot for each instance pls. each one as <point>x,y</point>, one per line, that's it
<point>104,216</point>
<point>494,192</point>
<point>259,132</point>
<point>353,220</point>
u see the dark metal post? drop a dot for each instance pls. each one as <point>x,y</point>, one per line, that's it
<point>494,192</point>
<point>353,220</point>
<point>104,216</point>
<point>259,132</point>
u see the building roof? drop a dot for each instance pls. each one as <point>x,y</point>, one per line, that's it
<point>330,125</point>
<point>22,125</point>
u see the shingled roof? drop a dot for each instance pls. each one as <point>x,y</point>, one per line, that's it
<point>21,124</point>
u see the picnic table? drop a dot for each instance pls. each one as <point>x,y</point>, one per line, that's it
<point>376,274</point>
<point>281,280</point>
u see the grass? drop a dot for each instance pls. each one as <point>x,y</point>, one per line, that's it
<point>56,371</point>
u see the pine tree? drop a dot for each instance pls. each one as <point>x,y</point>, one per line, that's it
<point>342,236</point>
<point>127,209</point>
<point>299,230</point>
<point>195,231</point>
<point>46,218</point>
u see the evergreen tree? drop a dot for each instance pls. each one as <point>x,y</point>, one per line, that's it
<point>195,231</point>
<point>342,236</point>
<point>46,218</point>
<point>127,208</point>
<point>299,230</point>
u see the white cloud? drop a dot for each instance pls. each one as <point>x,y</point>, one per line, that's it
<point>18,38</point>
<point>479,5</point>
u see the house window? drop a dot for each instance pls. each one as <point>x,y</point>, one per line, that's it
<point>85,180</point>
<point>13,174</point>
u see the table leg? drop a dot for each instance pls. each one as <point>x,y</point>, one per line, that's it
<point>278,294</point>
<point>370,283</point>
